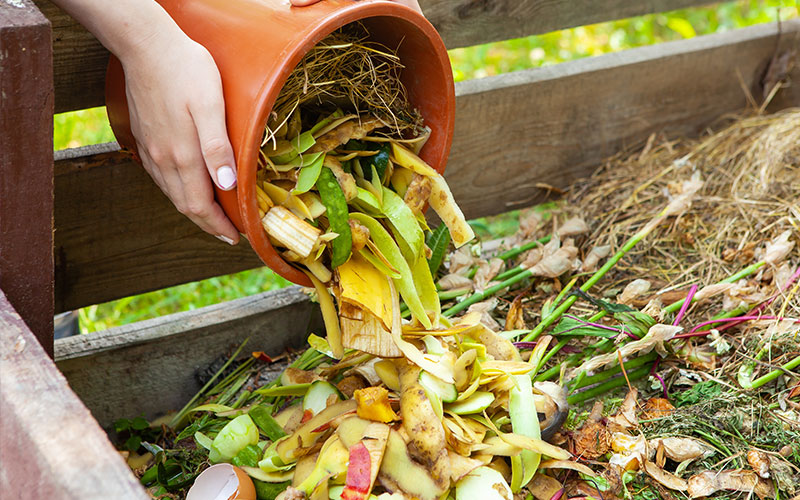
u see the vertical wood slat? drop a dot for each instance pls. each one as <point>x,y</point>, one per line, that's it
<point>26,166</point>
<point>50,446</point>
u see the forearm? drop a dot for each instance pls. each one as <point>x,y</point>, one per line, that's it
<point>124,27</point>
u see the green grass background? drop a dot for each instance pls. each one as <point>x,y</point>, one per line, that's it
<point>91,126</point>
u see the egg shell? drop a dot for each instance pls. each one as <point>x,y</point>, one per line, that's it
<point>222,482</point>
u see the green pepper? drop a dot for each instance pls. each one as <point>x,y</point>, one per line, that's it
<point>405,284</point>
<point>308,175</point>
<point>380,160</point>
<point>264,421</point>
<point>248,456</point>
<point>336,209</point>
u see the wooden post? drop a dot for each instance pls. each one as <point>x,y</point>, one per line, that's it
<point>50,446</point>
<point>26,165</point>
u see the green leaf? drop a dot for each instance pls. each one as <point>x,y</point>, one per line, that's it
<point>139,424</point>
<point>405,285</point>
<point>569,326</point>
<point>404,224</point>
<point>269,491</point>
<point>248,456</point>
<point>284,390</point>
<point>264,421</point>
<point>133,443</point>
<point>308,175</point>
<point>438,241</point>
<point>123,424</point>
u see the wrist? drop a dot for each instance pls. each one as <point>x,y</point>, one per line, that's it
<point>129,29</point>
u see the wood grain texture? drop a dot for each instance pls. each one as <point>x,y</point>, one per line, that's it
<point>118,235</point>
<point>471,22</point>
<point>80,61</point>
<point>50,447</point>
<point>113,223</point>
<point>151,367</point>
<point>26,172</point>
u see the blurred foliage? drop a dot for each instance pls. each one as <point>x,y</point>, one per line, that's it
<point>593,40</point>
<point>91,127</point>
<point>184,297</point>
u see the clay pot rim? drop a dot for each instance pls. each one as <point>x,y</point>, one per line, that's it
<point>268,93</point>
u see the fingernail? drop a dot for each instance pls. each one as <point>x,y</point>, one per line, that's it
<point>225,239</point>
<point>226,177</point>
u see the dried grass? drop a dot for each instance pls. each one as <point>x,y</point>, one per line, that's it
<point>751,194</point>
<point>348,70</point>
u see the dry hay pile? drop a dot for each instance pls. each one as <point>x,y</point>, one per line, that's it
<point>737,193</point>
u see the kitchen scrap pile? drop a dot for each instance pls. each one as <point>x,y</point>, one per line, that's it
<point>461,374</point>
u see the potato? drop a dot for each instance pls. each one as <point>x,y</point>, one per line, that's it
<point>425,430</point>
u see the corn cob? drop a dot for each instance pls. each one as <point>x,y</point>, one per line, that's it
<point>290,230</point>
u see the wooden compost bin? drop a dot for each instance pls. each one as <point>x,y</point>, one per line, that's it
<point>87,225</point>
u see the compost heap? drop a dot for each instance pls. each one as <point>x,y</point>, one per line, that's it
<point>680,289</point>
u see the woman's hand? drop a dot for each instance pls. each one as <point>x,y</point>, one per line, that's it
<point>175,102</point>
<point>178,119</point>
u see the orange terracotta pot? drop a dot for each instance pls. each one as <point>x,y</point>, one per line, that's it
<point>256,45</point>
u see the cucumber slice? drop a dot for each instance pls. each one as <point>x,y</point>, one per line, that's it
<point>233,438</point>
<point>476,403</point>
<point>446,392</point>
<point>483,483</point>
<point>524,421</point>
<point>316,398</point>
<point>432,345</point>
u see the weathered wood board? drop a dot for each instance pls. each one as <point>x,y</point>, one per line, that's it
<point>117,235</point>
<point>151,367</point>
<point>80,61</point>
<point>26,173</point>
<point>50,447</point>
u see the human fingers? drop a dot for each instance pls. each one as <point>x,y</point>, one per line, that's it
<point>197,200</point>
<point>208,114</point>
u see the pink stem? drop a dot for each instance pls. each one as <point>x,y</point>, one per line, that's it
<point>657,376</point>
<point>767,302</point>
<point>737,320</point>
<point>685,307</point>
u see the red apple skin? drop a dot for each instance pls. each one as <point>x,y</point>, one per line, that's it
<point>357,482</point>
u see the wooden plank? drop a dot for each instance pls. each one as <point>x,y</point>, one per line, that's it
<point>550,125</point>
<point>114,223</point>
<point>26,172</point>
<point>50,447</point>
<point>554,125</point>
<point>152,366</point>
<point>471,22</point>
<point>80,61</point>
